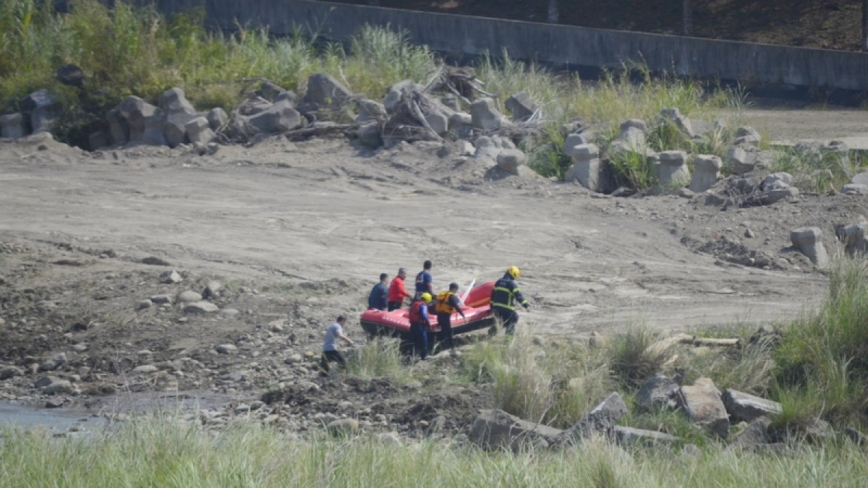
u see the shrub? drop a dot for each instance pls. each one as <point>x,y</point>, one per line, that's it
<point>631,359</point>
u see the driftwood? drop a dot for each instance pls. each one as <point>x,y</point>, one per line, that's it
<point>297,134</point>
<point>408,121</point>
<point>708,341</point>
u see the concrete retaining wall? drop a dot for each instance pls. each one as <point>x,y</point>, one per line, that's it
<point>552,44</point>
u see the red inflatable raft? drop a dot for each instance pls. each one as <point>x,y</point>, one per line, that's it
<point>397,322</point>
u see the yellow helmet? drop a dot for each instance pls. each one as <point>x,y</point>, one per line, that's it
<point>426,297</point>
<point>514,272</point>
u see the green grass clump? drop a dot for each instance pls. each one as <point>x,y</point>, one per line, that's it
<point>632,359</point>
<point>816,169</point>
<point>378,358</point>
<point>824,355</point>
<point>555,386</point>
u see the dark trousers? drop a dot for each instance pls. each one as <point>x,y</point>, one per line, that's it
<point>444,320</point>
<point>420,340</point>
<point>508,318</point>
<point>395,305</point>
<point>332,357</point>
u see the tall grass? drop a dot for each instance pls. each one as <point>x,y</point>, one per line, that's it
<point>166,453</point>
<point>817,169</point>
<point>378,358</point>
<point>556,386</point>
<point>825,354</point>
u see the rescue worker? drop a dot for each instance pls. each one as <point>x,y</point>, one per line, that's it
<point>379,294</point>
<point>424,280</point>
<point>330,352</point>
<point>397,291</point>
<point>420,324</point>
<point>504,297</point>
<point>447,304</point>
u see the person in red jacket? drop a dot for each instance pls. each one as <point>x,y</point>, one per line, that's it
<point>397,291</point>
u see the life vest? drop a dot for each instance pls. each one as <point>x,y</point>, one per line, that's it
<point>442,305</point>
<point>416,312</point>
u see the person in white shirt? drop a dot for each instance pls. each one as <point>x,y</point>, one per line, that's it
<point>330,352</point>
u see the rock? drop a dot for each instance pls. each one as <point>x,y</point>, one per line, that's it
<point>80,347</point>
<point>572,142</point>
<point>55,362</point>
<point>280,117</point>
<point>119,130</point>
<point>631,139</point>
<point>162,299</point>
<point>199,131</point>
<point>520,106</point>
<point>460,120</point>
<point>672,169</point>
<point>629,436</point>
<point>706,171</point>
<point>860,179</point>
<point>485,116</point>
<point>324,90</point>
<point>217,118</point>
<point>294,358</point>
<point>370,110</point>
<point>496,429</point>
<point>438,122</point>
<point>58,387</point>
<point>189,296</point>
<point>704,407</point>
<point>854,189</point>
<point>853,237</point>
<point>269,90</point>
<point>200,308</point>
<point>55,402</point>
<point>738,161</point>
<point>143,304</point>
<point>98,139</point>
<point>747,136</point>
<point>170,277</point>
<point>755,434</point>
<point>13,126</point>
<point>226,348</point>
<point>211,289</point>
<point>10,372</point>
<point>45,381</point>
<point>393,94</point>
<point>510,159</point>
<point>145,369</point>
<point>777,180</point>
<point>133,110</point>
<point>369,134</point>
<point>659,392</point>
<point>154,134</point>
<point>242,408</point>
<point>343,427</point>
<point>681,121</point>
<point>809,241</point>
<point>598,340</point>
<point>742,406</point>
<point>43,109</point>
<point>778,194</point>
<point>586,168</point>
<point>174,100</point>
<point>601,420</point>
<point>70,75</point>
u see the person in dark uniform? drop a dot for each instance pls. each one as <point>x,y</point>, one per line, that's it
<point>378,299</point>
<point>504,297</point>
<point>447,303</point>
<point>424,280</point>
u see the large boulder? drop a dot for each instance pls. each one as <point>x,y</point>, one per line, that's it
<point>509,160</point>
<point>706,171</point>
<point>659,392</point>
<point>174,100</point>
<point>280,117</point>
<point>703,406</point>
<point>672,169</point>
<point>369,134</point>
<point>496,429</point>
<point>133,110</point>
<point>854,238</point>
<point>485,115</point>
<point>43,109</point>
<point>738,161</point>
<point>746,407</point>
<point>13,126</point>
<point>393,94</point>
<point>199,131</point>
<point>521,106</point>
<point>325,90</point>
<point>809,241</point>
<point>679,120</point>
<point>599,421</point>
<point>217,118</point>
<point>586,168</point>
